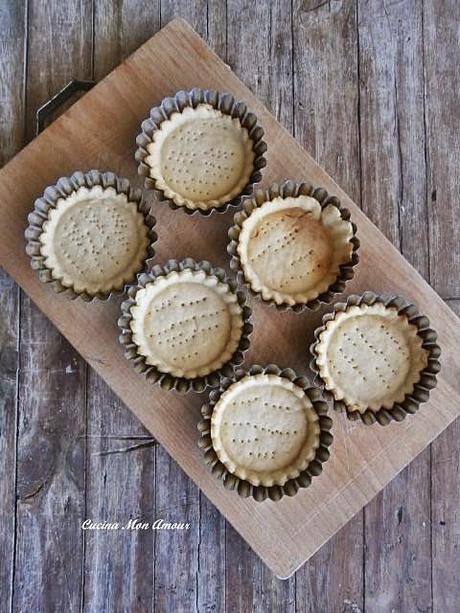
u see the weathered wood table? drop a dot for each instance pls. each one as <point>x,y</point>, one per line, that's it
<point>370,89</point>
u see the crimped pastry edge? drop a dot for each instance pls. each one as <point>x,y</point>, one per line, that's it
<point>428,381</point>
<point>287,189</point>
<point>221,101</point>
<point>151,373</point>
<point>280,476</point>
<point>341,238</point>
<point>323,363</point>
<point>242,487</point>
<point>153,160</point>
<point>64,187</point>
<point>204,279</point>
<point>47,238</point>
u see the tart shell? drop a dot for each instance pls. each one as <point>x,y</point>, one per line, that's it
<point>198,138</point>
<point>46,206</point>
<point>285,425</point>
<point>290,189</point>
<point>194,316</point>
<point>426,381</point>
<point>225,104</point>
<point>151,371</point>
<point>243,487</point>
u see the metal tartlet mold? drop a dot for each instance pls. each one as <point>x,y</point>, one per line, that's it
<point>245,488</point>
<point>63,188</point>
<point>226,104</point>
<point>152,373</point>
<point>422,388</point>
<point>292,189</point>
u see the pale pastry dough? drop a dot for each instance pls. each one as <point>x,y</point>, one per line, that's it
<point>265,430</point>
<point>291,249</point>
<point>200,158</point>
<point>94,240</point>
<point>187,323</point>
<point>370,357</point>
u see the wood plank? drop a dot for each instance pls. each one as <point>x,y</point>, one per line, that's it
<point>397,526</point>
<point>176,551</point>
<point>442,82</point>
<point>51,444</point>
<point>59,50</point>
<point>263,63</point>
<point>445,515</point>
<point>326,124</point>
<point>365,459</point>
<point>398,542</point>
<point>9,340</point>
<point>211,558</point>
<point>119,565</point>
<point>196,13</point>
<point>392,125</point>
<point>12,25</point>
<point>441,44</point>
<point>120,27</point>
<point>50,469</point>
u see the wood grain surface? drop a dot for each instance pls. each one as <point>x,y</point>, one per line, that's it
<point>407,562</point>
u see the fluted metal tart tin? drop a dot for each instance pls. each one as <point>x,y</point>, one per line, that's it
<point>63,188</point>
<point>286,190</point>
<point>422,388</point>
<point>152,373</point>
<point>226,104</point>
<point>241,486</point>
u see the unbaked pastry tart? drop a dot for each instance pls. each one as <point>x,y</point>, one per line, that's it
<point>265,430</point>
<point>291,248</point>
<point>370,357</point>
<point>187,323</point>
<point>200,158</point>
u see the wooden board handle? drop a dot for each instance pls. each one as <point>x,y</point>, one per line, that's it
<point>47,109</point>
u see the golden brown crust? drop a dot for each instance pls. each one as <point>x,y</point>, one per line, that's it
<point>291,249</point>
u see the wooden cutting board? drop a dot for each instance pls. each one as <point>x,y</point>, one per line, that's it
<point>99,132</point>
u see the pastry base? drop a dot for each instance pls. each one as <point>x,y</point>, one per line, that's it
<point>291,249</point>
<point>265,430</point>
<point>95,240</point>
<point>370,357</point>
<point>187,324</point>
<point>200,158</point>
